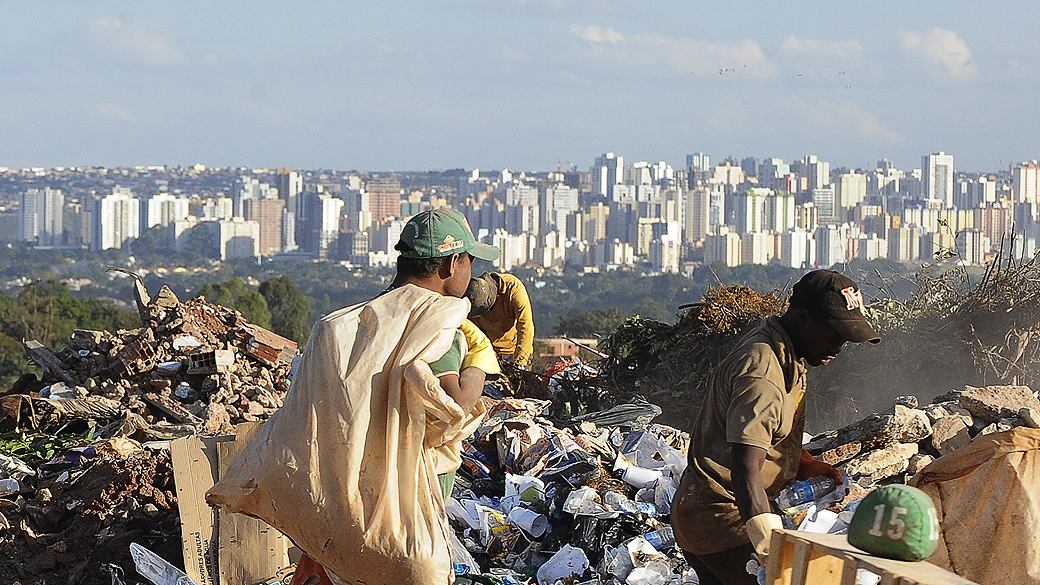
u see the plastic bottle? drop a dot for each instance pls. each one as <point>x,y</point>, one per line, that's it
<point>9,486</point>
<point>804,491</point>
<point>156,569</point>
<point>661,538</point>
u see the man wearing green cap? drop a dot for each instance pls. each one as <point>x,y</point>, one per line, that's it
<point>349,467</point>
<point>747,442</point>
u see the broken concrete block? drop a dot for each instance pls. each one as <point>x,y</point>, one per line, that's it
<point>993,403</point>
<point>949,434</point>
<point>902,425</point>
<point>944,409</point>
<point>918,462</point>
<point>997,427</point>
<point>881,463</point>
<point>215,420</point>
<point>1030,416</point>
<point>909,401</point>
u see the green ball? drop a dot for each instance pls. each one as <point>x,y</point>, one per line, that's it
<point>896,522</point>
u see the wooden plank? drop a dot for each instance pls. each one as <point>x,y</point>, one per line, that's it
<point>249,550</point>
<point>823,567</point>
<point>800,566</point>
<point>778,564</point>
<point>848,574</point>
<point>896,572</point>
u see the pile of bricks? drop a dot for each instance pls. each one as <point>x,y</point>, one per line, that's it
<point>193,367</point>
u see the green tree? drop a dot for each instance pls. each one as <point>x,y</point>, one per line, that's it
<point>235,295</point>
<point>290,309</point>
<point>588,324</point>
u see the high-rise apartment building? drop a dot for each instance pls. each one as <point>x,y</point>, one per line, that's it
<point>161,209</point>
<point>384,198</point>
<point>607,171</point>
<point>937,177</point>
<point>116,220</point>
<point>1025,182</point>
<point>269,214</point>
<point>41,217</point>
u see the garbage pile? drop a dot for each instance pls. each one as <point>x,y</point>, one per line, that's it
<point>69,515</point>
<point>193,367</point>
<point>542,495</point>
<point>534,502</point>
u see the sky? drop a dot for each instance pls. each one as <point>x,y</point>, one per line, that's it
<point>523,84</point>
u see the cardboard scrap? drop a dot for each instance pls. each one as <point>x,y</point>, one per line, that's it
<point>250,552</point>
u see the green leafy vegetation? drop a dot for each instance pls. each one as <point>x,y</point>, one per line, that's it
<point>235,295</point>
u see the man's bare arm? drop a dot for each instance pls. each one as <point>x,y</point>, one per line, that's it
<point>748,489</point>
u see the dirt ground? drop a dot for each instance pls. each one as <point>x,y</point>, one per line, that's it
<point>73,531</point>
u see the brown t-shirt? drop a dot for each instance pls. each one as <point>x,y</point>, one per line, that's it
<point>756,396</point>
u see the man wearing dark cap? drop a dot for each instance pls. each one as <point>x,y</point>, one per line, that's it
<point>747,442</point>
<point>501,308</point>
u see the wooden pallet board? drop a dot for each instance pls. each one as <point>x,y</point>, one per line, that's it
<point>803,558</point>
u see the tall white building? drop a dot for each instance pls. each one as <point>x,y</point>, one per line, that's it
<point>161,209</point>
<point>937,180</point>
<point>780,212</point>
<point>560,201</point>
<point>40,216</point>
<point>607,171</point>
<point>816,171</point>
<point>849,191</point>
<point>238,238</point>
<point>116,220</point>
<point>1025,182</point>
<point>797,249</point>
<point>696,224</point>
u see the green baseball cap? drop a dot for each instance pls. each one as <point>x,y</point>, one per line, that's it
<point>441,232</point>
<point>896,522</point>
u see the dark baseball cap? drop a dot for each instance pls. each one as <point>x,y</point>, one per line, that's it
<point>482,292</point>
<point>835,297</point>
<point>441,232</point>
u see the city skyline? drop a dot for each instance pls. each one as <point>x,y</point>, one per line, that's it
<point>405,86</point>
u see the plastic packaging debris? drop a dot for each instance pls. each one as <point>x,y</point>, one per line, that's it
<point>185,342</point>
<point>640,477</point>
<point>169,367</point>
<point>528,487</point>
<point>461,559</point>
<point>9,486</point>
<point>567,562</point>
<point>182,390</point>
<point>638,413</point>
<point>662,538</point>
<point>655,573</point>
<point>57,391</point>
<point>529,521</point>
<point>804,491</point>
<point>156,569</point>
<point>14,467</point>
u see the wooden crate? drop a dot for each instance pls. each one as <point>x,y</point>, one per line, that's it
<point>802,558</point>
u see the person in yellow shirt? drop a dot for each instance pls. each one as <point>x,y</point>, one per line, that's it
<point>502,310</point>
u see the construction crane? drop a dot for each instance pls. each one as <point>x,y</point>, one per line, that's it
<point>559,163</point>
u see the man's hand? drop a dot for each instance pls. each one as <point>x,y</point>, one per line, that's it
<point>808,466</point>
<point>760,531</point>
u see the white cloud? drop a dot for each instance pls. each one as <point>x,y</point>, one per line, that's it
<point>594,34</point>
<point>867,124</point>
<point>134,42</point>
<point>110,110</point>
<point>941,48</point>
<point>681,54</point>
<point>264,113</point>
<point>847,49</point>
